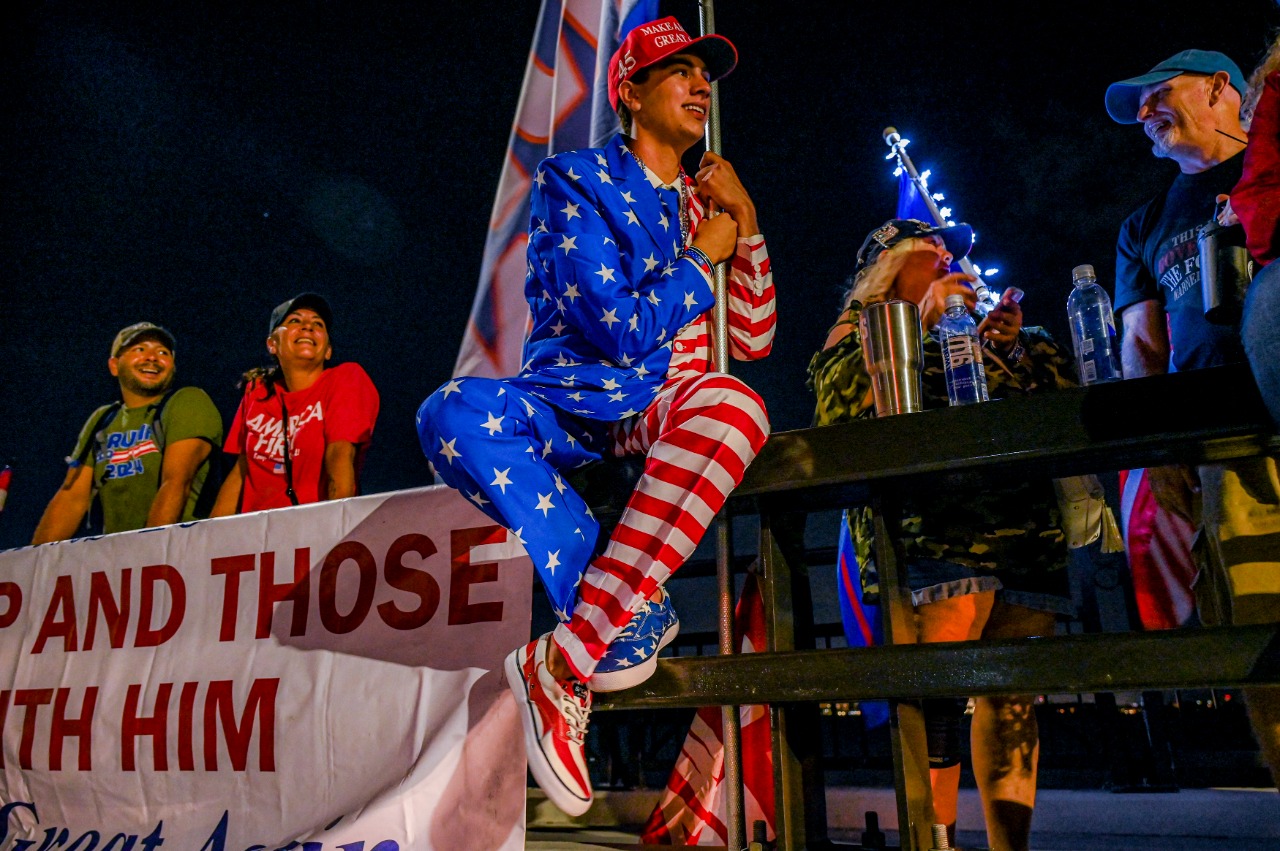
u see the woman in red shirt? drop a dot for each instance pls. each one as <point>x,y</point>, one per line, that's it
<point>302,427</point>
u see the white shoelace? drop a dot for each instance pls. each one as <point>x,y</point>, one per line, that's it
<point>577,712</point>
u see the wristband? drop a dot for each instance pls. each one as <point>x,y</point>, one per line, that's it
<point>1016,352</point>
<point>699,257</point>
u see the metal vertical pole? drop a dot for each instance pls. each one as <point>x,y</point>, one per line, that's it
<point>907,736</point>
<point>720,314</point>
<point>735,825</point>
<point>777,590</point>
<point>730,719</point>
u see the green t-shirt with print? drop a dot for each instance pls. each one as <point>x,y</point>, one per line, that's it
<point>128,456</point>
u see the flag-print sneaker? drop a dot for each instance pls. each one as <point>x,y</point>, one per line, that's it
<point>555,726</point>
<point>633,656</point>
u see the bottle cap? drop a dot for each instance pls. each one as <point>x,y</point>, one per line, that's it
<point>955,300</point>
<point>1083,273</point>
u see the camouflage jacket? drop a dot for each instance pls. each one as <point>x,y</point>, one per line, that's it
<point>1015,528</point>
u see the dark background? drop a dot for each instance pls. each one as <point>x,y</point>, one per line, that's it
<point>196,163</point>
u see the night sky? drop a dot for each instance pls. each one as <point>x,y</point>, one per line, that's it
<point>194,164</point>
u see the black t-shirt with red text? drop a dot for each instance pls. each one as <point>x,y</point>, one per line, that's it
<point>1158,257</point>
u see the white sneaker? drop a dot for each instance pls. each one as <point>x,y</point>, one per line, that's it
<point>555,726</point>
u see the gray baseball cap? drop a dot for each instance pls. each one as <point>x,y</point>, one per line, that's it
<point>311,301</point>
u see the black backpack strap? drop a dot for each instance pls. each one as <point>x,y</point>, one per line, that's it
<point>157,424</point>
<point>97,433</point>
<point>96,442</point>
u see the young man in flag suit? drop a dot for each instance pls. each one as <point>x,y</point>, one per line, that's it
<point>621,249</point>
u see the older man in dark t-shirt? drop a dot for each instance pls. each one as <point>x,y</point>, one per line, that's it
<point>1158,261</point>
<point>1189,106</point>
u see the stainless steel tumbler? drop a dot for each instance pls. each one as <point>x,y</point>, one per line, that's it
<point>891,344</point>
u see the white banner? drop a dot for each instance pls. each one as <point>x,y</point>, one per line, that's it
<point>320,677</point>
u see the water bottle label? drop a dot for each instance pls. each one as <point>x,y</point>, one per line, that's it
<point>962,358</point>
<point>1089,369</point>
<point>1086,346</point>
<point>961,350</point>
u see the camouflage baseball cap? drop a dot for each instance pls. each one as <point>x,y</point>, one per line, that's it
<point>129,334</point>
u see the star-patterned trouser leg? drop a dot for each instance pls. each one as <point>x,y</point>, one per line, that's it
<point>700,434</point>
<point>502,448</point>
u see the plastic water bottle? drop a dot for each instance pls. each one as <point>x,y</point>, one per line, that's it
<point>962,354</point>
<point>1093,328</point>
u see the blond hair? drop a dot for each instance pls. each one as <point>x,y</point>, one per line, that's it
<point>1270,63</point>
<point>875,283</point>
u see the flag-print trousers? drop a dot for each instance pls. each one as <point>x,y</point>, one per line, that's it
<point>505,450</point>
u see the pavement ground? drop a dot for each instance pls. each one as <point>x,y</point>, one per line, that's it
<point>1065,820</point>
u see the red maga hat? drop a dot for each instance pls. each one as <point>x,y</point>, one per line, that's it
<point>656,40</point>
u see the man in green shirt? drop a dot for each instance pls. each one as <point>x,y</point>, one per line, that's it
<point>146,457</point>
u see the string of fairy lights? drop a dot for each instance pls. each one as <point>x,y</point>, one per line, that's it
<point>898,146</point>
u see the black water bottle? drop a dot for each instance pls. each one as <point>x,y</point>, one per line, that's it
<point>1225,271</point>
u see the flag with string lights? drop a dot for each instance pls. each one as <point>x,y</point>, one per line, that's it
<point>917,201</point>
<point>563,106</point>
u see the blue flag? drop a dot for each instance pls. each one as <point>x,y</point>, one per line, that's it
<point>862,623</point>
<point>911,204</point>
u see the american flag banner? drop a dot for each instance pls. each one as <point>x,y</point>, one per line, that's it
<point>692,809</point>
<point>563,106</point>
<point>1160,560</point>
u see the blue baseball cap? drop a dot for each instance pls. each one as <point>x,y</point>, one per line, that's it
<point>957,238</point>
<point>1122,97</point>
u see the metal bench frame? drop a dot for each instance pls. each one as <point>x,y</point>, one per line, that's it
<point>1195,417</point>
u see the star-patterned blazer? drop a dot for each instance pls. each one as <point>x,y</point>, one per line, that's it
<point>617,310</point>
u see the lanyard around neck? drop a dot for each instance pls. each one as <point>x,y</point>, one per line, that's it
<point>288,457</point>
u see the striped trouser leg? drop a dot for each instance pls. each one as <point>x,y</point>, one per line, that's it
<point>700,434</point>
